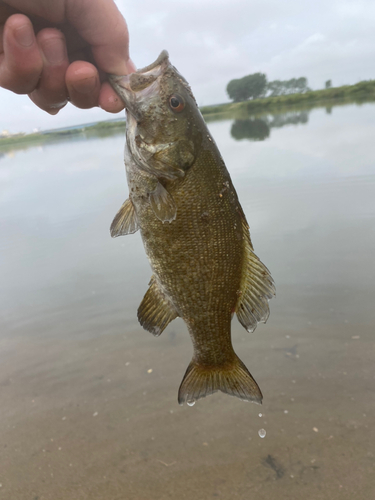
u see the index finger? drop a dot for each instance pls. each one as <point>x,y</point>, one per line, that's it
<point>101,24</point>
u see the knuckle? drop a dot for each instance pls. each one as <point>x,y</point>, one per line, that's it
<point>17,86</point>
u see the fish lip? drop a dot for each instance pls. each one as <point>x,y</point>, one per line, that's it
<point>159,61</point>
<point>122,83</point>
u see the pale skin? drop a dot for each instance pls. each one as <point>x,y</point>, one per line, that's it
<point>57,51</point>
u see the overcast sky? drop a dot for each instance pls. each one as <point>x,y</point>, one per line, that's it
<point>214,41</point>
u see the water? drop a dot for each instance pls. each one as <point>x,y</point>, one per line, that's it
<point>262,433</point>
<point>71,347</point>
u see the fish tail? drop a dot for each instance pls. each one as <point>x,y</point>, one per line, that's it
<point>233,379</point>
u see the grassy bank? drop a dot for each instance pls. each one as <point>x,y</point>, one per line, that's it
<point>359,93</point>
<point>101,129</point>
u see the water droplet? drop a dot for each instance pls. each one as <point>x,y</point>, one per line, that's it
<point>286,411</point>
<point>191,403</point>
<point>260,414</point>
<point>262,433</point>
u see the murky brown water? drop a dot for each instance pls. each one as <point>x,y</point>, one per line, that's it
<point>89,399</point>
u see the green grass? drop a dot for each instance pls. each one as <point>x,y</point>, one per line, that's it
<point>359,93</point>
<point>101,129</point>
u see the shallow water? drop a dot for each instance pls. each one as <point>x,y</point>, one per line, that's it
<point>89,399</point>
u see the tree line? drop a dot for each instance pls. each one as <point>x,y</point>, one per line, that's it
<point>255,86</point>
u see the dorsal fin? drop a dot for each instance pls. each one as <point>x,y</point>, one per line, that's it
<point>257,288</point>
<point>156,311</point>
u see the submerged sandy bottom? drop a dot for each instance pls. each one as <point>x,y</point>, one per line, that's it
<point>89,399</point>
<point>88,419</point>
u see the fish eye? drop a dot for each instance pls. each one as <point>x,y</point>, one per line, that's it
<point>176,103</point>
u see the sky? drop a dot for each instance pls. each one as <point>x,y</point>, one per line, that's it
<point>213,41</point>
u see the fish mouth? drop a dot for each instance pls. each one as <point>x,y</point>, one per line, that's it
<point>137,86</point>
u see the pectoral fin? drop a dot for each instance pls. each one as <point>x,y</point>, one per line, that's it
<point>125,221</point>
<point>163,204</point>
<point>257,289</point>
<point>156,311</point>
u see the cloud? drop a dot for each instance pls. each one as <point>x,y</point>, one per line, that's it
<point>214,41</point>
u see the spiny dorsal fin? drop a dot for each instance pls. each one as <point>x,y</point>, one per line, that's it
<point>257,289</point>
<point>162,204</point>
<point>156,311</point>
<point>233,379</point>
<point>125,221</point>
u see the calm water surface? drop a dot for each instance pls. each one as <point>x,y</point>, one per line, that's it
<point>89,399</point>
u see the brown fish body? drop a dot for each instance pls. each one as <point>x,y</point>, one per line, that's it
<point>196,238</point>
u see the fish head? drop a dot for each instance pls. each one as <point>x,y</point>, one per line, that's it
<point>163,120</point>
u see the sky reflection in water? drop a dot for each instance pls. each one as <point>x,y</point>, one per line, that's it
<point>70,344</point>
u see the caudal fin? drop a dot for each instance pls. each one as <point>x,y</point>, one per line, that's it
<point>233,379</point>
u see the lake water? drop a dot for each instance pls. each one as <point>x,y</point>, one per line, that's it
<point>89,399</point>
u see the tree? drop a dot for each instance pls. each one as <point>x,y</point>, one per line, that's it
<point>328,84</point>
<point>284,87</point>
<point>248,87</point>
<point>276,88</point>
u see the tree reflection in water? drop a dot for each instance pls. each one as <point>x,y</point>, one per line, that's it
<point>255,129</point>
<point>259,129</point>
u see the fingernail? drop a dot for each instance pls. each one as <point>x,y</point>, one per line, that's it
<point>24,35</point>
<point>86,85</point>
<point>52,111</point>
<point>131,68</point>
<point>55,108</point>
<point>54,50</point>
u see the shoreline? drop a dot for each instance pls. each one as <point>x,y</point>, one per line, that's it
<point>360,93</point>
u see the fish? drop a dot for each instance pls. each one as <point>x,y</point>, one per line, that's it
<point>194,231</point>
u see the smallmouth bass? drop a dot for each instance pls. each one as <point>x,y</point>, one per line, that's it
<point>193,228</point>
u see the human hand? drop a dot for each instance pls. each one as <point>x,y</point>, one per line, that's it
<point>61,50</point>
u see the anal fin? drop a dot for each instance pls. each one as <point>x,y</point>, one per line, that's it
<point>156,311</point>
<point>125,221</point>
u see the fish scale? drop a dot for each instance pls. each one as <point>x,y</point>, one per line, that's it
<point>193,228</point>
